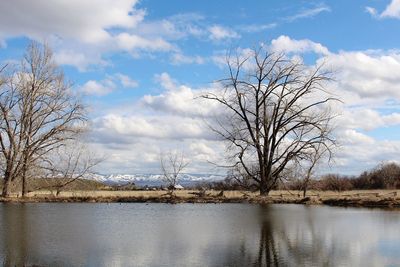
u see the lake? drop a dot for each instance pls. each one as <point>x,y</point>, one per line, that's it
<point>133,234</point>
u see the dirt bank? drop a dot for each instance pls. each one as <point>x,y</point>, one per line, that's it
<point>373,198</point>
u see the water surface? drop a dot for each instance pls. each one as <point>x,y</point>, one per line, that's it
<point>88,234</point>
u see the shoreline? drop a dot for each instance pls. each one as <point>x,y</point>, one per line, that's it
<point>368,198</point>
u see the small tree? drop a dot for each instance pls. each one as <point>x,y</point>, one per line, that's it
<point>172,165</point>
<point>68,164</point>
<point>275,114</point>
<point>309,165</point>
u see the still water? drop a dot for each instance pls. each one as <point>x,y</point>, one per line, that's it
<point>130,234</point>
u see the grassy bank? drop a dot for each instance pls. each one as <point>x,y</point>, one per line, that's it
<point>365,198</point>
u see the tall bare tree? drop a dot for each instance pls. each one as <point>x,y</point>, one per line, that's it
<point>172,165</point>
<point>276,113</point>
<point>38,113</point>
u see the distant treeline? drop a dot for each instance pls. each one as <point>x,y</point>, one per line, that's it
<point>384,176</point>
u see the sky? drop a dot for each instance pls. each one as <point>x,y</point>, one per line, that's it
<point>141,65</point>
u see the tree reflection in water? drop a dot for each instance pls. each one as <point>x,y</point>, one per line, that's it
<point>202,235</point>
<point>289,241</point>
<point>15,237</point>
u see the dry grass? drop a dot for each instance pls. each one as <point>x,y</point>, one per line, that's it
<point>372,198</point>
<point>227,194</point>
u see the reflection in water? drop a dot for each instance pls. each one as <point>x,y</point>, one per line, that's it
<point>196,235</point>
<point>281,243</point>
<point>15,236</point>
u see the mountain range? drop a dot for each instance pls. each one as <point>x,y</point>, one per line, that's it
<point>152,179</point>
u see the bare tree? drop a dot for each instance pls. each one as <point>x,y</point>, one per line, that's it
<point>276,113</point>
<point>172,165</point>
<point>308,166</point>
<point>38,113</point>
<point>69,164</point>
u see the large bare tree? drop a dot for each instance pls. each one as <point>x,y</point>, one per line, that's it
<point>38,113</point>
<point>276,114</point>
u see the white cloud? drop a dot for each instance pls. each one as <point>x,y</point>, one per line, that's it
<point>126,81</point>
<point>358,152</point>
<point>372,76</point>
<point>308,13</point>
<point>86,21</point>
<point>353,137</point>
<point>285,44</point>
<point>81,61</point>
<point>175,117</point>
<point>218,33</point>
<point>151,126</point>
<point>108,85</point>
<point>179,58</point>
<point>367,119</point>
<point>82,32</point>
<point>392,10</point>
<point>180,99</point>
<point>176,27</point>
<point>372,11</point>
<point>166,81</point>
<point>132,42</point>
<point>97,88</point>
<point>252,28</point>
<point>134,134</point>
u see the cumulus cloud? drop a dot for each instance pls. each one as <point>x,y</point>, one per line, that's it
<point>81,33</point>
<point>218,33</point>
<point>175,27</point>
<point>175,117</point>
<point>126,81</point>
<point>359,151</point>
<point>108,85</point>
<point>152,126</point>
<point>179,59</point>
<point>143,156</point>
<point>86,21</point>
<point>133,43</point>
<point>285,44</point>
<point>180,99</point>
<point>367,118</point>
<point>98,88</point>
<point>82,61</point>
<point>391,11</point>
<point>372,76</point>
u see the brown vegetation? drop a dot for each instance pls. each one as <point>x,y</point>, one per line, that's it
<point>384,176</point>
<point>366,198</point>
<point>51,185</point>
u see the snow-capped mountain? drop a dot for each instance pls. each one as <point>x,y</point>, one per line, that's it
<point>152,179</point>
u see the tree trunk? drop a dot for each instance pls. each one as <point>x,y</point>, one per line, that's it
<point>304,191</point>
<point>24,187</point>
<point>264,189</point>
<point>6,187</point>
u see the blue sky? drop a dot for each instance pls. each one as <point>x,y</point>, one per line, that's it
<point>139,65</point>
